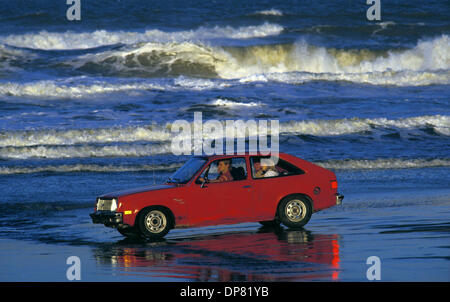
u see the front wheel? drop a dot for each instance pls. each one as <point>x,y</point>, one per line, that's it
<point>154,222</point>
<point>295,211</point>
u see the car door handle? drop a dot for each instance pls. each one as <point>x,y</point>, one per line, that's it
<point>247,186</point>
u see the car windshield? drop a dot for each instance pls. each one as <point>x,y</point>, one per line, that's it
<point>187,171</point>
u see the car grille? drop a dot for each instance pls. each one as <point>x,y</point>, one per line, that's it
<point>106,204</point>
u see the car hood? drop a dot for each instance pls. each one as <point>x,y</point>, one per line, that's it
<point>139,190</point>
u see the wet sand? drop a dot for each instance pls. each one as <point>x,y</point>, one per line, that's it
<point>411,240</point>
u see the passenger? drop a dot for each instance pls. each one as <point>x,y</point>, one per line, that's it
<point>223,167</point>
<point>266,168</point>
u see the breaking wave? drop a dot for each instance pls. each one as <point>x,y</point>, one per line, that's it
<point>195,64</point>
<point>427,63</point>
<point>440,123</point>
<point>233,104</point>
<point>54,89</point>
<point>346,164</point>
<point>73,40</point>
<point>162,133</point>
<point>270,12</point>
<point>388,163</point>
<point>25,138</point>
<point>84,151</point>
<point>71,168</point>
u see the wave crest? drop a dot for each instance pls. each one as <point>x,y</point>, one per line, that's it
<point>427,63</point>
<point>344,164</point>
<point>73,40</point>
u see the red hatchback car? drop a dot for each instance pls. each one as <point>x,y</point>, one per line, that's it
<point>228,189</point>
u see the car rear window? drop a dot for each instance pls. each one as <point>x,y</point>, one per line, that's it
<point>263,167</point>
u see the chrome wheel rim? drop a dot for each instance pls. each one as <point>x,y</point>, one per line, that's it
<point>295,210</point>
<point>155,221</point>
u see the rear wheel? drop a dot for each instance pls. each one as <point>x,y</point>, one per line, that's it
<point>154,222</point>
<point>295,211</point>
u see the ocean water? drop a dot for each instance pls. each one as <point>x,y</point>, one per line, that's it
<point>86,108</point>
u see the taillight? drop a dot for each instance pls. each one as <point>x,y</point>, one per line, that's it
<point>334,184</point>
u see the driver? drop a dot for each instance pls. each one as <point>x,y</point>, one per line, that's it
<point>223,167</point>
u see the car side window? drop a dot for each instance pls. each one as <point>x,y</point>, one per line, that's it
<point>265,167</point>
<point>224,170</point>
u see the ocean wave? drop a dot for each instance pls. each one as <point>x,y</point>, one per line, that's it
<point>425,64</point>
<point>269,12</point>
<point>154,59</point>
<point>49,143</point>
<point>71,168</point>
<point>395,78</point>
<point>344,164</point>
<point>427,55</point>
<point>221,102</point>
<point>72,89</point>
<point>387,163</point>
<point>73,40</point>
<point>198,66</point>
<point>57,89</point>
<point>440,123</point>
<point>12,59</point>
<point>24,138</point>
<point>83,151</point>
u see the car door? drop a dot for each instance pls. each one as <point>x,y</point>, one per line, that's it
<point>224,202</point>
<point>240,196</point>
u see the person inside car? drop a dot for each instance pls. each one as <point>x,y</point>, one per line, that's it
<point>223,167</point>
<point>266,168</point>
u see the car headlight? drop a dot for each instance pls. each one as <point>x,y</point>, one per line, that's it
<point>107,204</point>
<point>113,205</point>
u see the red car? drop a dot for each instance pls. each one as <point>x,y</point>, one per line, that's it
<point>228,189</point>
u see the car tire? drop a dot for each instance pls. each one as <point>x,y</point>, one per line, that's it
<point>270,223</point>
<point>154,222</point>
<point>294,211</point>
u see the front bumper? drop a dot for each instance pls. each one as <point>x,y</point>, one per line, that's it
<point>339,198</point>
<point>108,218</point>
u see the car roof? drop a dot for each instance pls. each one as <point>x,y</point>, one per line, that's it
<point>246,154</point>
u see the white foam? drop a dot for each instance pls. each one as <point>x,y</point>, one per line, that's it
<point>83,136</point>
<point>233,104</point>
<point>355,125</point>
<point>56,89</point>
<point>345,164</point>
<point>84,151</point>
<point>199,84</point>
<point>397,78</point>
<point>86,168</point>
<point>162,133</point>
<point>428,62</point>
<point>388,163</point>
<point>84,40</point>
<point>270,12</point>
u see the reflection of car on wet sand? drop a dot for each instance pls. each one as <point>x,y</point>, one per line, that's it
<point>214,190</point>
<point>265,254</point>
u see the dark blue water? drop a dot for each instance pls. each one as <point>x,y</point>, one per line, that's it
<point>86,106</point>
